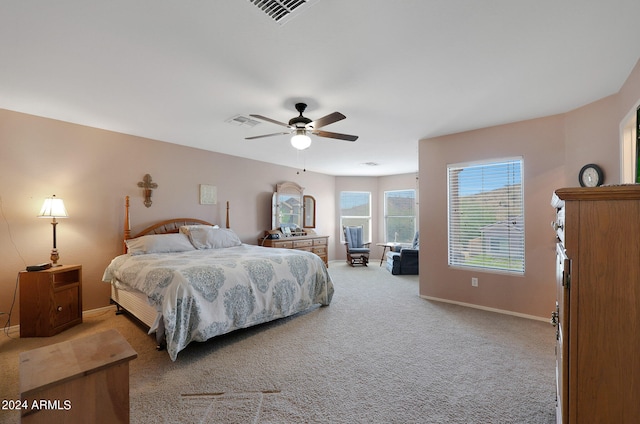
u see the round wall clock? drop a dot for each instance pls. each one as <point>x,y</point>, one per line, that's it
<point>591,175</point>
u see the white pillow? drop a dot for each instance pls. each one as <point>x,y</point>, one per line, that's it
<point>159,243</point>
<point>207,237</point>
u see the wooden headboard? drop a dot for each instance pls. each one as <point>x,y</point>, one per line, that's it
<point>164,227</point>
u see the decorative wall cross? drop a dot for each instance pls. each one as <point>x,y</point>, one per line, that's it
<point>148,186</point>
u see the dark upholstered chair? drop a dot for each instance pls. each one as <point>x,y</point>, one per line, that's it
<point>357,250</point>
<point>405,262</point>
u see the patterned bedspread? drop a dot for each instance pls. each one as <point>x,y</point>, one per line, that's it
<point>205,293</point>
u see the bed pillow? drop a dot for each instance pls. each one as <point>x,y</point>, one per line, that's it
<point>186,228</point>
<point>207,237</point>
<point>159,243</point>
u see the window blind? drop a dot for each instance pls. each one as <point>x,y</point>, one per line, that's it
<point>486,215</point>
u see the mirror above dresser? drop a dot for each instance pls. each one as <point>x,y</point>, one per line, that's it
<point>293,219</point>
<point>287,207</point>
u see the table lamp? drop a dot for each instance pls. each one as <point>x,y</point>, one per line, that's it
<point>53,208</point>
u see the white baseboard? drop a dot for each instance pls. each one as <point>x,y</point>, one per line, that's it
<point>92,312</point>
<point>13,329</point>
<point>485,308</point>
<point>97,311</point>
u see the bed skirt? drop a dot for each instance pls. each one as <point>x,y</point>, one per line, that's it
<point>135,303</point>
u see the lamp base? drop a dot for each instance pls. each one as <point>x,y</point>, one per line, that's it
<point>54,257</point>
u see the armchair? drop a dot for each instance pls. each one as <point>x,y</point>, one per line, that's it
<point>406,260</point>
<point>357,250</point>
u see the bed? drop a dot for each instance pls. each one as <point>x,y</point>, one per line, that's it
<point>189,280</point>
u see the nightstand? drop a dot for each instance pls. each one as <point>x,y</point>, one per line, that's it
<point>50,300</point>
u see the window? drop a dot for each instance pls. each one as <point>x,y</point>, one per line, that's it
<point>486,215</point>
<point>400,216</point>
<point>355,209</point>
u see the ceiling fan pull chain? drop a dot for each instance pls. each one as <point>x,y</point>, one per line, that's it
<point>304,160</point>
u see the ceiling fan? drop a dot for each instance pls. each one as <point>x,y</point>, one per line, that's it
<point>301,127</point>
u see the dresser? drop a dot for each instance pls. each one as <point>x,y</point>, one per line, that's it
<point>597,313</point>
<point>50,300</point>
<point>311,243</point>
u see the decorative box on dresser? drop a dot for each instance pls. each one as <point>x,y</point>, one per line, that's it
<point>50,300</point>
<point>311,243</point>
<point>597,313</point>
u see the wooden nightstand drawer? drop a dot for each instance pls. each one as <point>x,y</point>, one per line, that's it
<point>65,306</point>
<point>320,242</point>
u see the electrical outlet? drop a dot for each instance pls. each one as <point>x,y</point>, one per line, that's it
<point>474,282</point>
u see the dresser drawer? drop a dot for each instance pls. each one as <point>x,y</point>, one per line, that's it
<point>298,244</point>
<point>319,250</point>
<point>309,243</point>
<point>320,242</point>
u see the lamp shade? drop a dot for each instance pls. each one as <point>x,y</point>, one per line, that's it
<point>53,208</point>
<point>301,140</point>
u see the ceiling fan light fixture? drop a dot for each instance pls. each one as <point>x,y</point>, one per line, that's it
<point>300,127</point>
<point>301,140</point>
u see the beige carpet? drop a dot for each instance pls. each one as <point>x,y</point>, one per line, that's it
<point>378,354</point>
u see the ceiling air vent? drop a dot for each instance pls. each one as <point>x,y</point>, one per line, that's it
<point>280,10</point>
<point>242,121</point>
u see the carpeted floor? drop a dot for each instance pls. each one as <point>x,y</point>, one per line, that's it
<point>378,354</point>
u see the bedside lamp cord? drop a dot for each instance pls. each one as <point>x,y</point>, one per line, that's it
<point>7,324</point>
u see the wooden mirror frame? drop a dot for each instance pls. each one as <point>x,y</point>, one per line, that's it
<point>308,212</point>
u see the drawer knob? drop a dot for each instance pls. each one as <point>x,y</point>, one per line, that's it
<point>59,308</point>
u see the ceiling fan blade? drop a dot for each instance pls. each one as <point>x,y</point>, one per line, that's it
<point>326,120</point>
<point>339,136</point>
<point>273,121</point>
<point>265,135</point>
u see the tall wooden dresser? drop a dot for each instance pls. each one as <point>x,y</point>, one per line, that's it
<point>598,304</point>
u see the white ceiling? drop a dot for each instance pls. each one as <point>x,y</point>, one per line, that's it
<point>176,70</point>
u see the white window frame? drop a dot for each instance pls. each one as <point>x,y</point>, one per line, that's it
<point>409,238</point>
<point>486,226</point>
<point>366,218</point>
